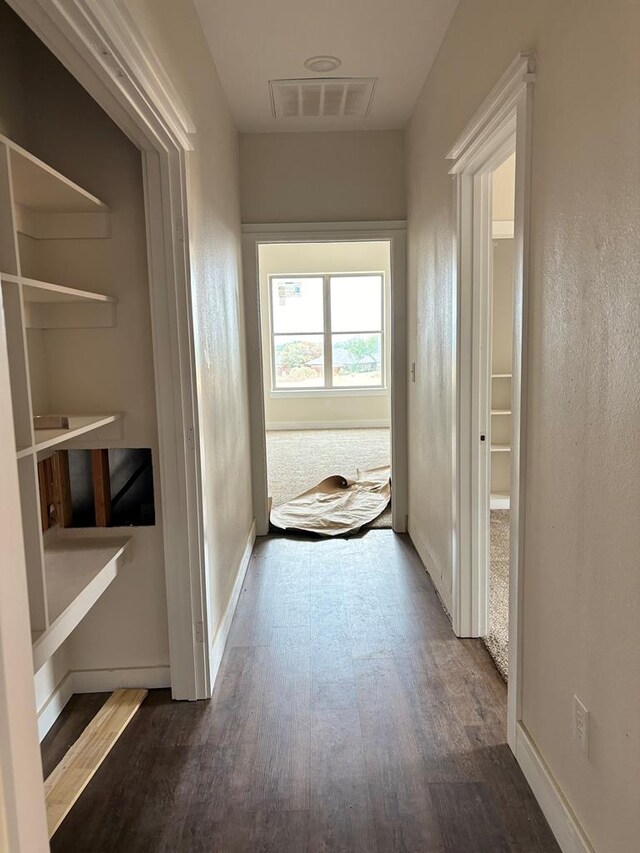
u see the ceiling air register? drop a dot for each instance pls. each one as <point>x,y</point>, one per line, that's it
<point>316,97</point>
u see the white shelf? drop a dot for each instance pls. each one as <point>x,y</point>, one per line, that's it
<point>77,571</point>
<point>500,500</point>
<point>501,376</point>
<point>45,292</point>
<point>500,448</point>
<point>78,425</point>
<point>39,187</point>
<point>500,411</point>
<point>502,229</point>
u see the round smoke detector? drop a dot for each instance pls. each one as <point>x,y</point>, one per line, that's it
<point>322,64</point>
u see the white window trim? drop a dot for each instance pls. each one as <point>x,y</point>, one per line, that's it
<point>371,391</point>
<point>327,334</point>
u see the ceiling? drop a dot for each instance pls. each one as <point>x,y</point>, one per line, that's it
<point>253,42</point>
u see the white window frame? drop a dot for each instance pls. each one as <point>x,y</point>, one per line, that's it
<point>329,389</point>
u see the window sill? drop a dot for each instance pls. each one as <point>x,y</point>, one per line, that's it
<point>329,392</point>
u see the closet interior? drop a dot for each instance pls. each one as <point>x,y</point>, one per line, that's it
<point>75,305</point>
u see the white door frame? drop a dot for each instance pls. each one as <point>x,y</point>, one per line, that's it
<point>500,126</point>
<point>327,232</point>
<point>100,44</point>
<point>23,822</point>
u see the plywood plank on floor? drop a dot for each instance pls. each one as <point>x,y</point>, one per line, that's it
<point>75,771</point>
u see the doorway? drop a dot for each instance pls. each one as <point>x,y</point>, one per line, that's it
<point>501,259</point>
<point>324,317</point>
<point>500,128</point>
<point>355,385</point>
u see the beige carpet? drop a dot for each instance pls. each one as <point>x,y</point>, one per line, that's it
<point>497,639</point>
<point>298,459</point>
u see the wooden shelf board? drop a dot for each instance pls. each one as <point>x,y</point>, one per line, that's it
<point>78,425</point>
<point>77,570</point>
<point>39,187</point>
<point>46,291</point>
<point>500,448</point>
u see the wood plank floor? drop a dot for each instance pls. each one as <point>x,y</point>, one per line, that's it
<point>346,717</point>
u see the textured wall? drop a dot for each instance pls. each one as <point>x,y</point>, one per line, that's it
<point>214,233</point>
<point>322,177</point>
<point>581,580</point>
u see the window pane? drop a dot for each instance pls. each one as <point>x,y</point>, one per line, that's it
<point>357,360</point>
<point>297,305</point>
<point>356,303</point>
<point>299,361</point>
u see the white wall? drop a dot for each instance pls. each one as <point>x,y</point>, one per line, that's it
<point>341,408</point>
<point>174,31</point>
<point>322,177</point>
<point>582,540</point>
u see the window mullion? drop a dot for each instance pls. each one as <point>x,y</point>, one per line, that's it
<point>328,350</point>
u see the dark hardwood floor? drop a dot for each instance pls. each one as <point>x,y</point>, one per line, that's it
<point>346,717</point>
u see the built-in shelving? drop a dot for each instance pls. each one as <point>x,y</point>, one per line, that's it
<point>500,500</point>
<point>501,376</point>
<point>77,570</point>
<point>503,229</point>
<point>67,569</point>
<point>498,412</point>
<point>500,448</point>
<point>78,425</point>
<point>45,292</point>
<point>47,305</point>
<point>37,186</point>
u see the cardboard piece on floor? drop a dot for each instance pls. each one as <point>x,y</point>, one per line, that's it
<point>337,506</point>
<point>72,775</point>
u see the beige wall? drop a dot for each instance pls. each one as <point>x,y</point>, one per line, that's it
<point>503,182</point>
<point>214,233</point>
<point>581,579</point>
<point>502,306</point>
<point>342,409</point>
<point>322,177</point>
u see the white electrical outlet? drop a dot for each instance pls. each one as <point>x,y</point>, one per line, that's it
<point>581,725</point>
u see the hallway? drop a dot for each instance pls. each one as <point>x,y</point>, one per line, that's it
<point>346,717</point>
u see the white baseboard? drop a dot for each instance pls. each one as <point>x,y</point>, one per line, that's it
<point>275,426</point>
<point>53,707</point>
<point>106,680</point>
<point>98,681</point>
<point>559,814</point>
<point>438,581</point>
<point>220,640</point>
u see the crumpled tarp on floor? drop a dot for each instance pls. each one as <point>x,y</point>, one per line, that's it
<point>337,506</point>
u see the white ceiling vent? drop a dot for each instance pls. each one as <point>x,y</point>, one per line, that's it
<point>316,97</point>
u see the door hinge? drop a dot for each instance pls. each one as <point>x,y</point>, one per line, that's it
<point>199,632</point>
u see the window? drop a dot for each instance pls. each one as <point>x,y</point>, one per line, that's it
<point>327,331</point>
